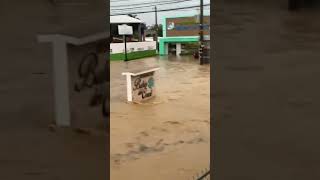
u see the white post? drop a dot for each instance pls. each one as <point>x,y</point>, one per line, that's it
<point>166,45</point>
<point>178,49</point>
<point>129,86</point>
<point>61,83</point>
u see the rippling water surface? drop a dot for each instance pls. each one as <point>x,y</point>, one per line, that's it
<point>167,137</point>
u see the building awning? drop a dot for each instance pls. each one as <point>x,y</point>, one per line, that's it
<point>123,19</point>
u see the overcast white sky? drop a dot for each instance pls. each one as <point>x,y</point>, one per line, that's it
<point>149,18</point>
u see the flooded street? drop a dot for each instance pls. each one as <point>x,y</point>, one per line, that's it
<point>167,137</point>
<point>266,95</point>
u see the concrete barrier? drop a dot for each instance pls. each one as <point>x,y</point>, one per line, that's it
<point>135,50</point>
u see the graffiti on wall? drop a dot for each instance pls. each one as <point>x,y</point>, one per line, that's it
<point>143,87</point>
<point>90,77</point>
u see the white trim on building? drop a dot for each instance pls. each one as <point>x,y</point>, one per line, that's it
<point>132,47</point>
<point>123,19</point>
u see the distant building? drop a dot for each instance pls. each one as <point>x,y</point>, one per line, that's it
<point>150,34</point>
<point>138,28</point>
<point>180,30</point>
<point>137,46</point>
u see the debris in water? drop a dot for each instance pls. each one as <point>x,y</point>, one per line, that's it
<point>159,142</point>
<point>172,122</point>
<point>144,133</point>
<point>143,148</point>
<point>52,127</point>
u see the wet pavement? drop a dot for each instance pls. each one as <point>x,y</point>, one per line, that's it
<point>167,137</point>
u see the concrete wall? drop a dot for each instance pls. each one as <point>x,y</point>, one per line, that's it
<point>132,47</point>
<point>26,90</point>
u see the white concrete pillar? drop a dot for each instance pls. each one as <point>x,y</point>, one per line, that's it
<point>166,45</point>
<point>60,78</point>
<point>61,83</point>
<point>178,49</point>
<point>129,86</point>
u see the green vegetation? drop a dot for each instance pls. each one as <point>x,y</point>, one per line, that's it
<point>133,55</point>
<point>192,45</point>
<point>159,31</point>
<point>186,53</point>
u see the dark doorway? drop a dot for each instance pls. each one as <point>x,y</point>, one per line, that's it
<point>298,4</point>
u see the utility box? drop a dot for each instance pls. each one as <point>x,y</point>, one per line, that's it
<point>140,85</point>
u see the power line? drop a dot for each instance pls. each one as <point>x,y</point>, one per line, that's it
<point>151,11</point>
<point>180,10</point>
<point>146,3</point>
<point>163,10</point>
<point>191,9</point>
<point>162,3</point>
<point>207,8</point>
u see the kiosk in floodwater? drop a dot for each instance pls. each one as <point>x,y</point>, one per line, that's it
<point>140,84</point>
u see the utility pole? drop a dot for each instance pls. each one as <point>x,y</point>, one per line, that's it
<point>156,25</point>
<point>201,54</point>
<point>125,48</point>
<point>201,21</point>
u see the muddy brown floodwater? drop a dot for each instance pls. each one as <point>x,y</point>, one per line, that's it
<point>167,137</point>
<point>265,92</point>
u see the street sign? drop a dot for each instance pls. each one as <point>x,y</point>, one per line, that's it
<point>125,30</point>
